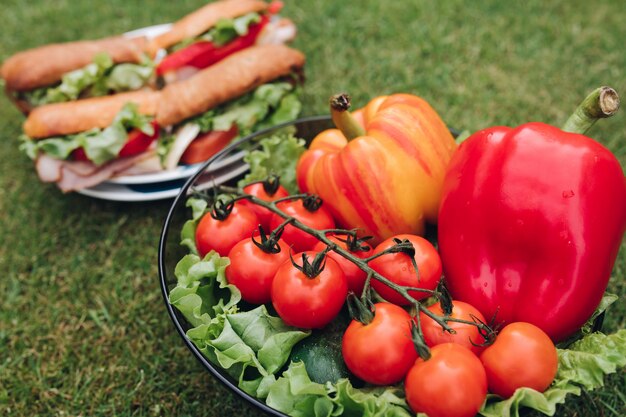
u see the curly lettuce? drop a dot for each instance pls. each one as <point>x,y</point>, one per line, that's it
<point>224,31</point>
<point>252,346</point>
<point>277,154</point>
<point>99,78</point>
<point>266,106</point>
<point>100,145</point>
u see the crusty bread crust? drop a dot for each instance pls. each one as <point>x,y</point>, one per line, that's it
<point>228,79</point>
<point>46,65</point>
<point>78,116</point>
<point>203,19</point>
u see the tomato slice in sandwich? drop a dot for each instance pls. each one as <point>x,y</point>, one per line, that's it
<point>206,145</point>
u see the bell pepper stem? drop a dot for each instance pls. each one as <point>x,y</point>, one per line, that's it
<point>601,103</point>
<point>343,119</point>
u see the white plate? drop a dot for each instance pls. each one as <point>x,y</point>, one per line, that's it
<point>181,172</point>
<point>149,31</point>
<point>157,191</point>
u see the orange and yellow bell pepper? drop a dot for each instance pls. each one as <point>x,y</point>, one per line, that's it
<point>382,171</point>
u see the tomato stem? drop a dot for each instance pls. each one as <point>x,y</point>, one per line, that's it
<point>361,263</point>
<point>418,339</point>
<point>269,244</point>
<point>360,309</point>
<point>601,103</point>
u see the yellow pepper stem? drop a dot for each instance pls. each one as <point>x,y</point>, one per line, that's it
<point>343,119</point>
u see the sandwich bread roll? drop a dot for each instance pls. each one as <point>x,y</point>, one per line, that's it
<point>201,20</point>
<point>46,65</point>
<point>78,116</point>
<point>230,78</point>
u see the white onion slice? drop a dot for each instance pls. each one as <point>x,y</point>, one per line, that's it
<point>184,136</point>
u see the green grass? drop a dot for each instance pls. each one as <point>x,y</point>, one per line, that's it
<point>83,330</point>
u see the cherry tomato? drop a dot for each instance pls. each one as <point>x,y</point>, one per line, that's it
<point>452,383</point>
<point>380,352</point>
<point>206,145</point>
<point>356,276</point>
<point>308,302</point>
<point>252,269</point>
<point>222,235</point>
<point>465,333</point>
<point>315,217</point>
<point>270,192</point>
<point>398,268</point>
<point>522,356</point>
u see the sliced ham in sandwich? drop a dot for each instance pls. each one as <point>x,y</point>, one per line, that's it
<point>80,144</point>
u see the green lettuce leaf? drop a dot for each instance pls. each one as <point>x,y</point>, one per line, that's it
<point>277,154</point>
<point>583,364</point>
<point>295,394</point>
<point>224,31</point>
<point>100,145</point>
<point>251,346</point>
<point>266,106</point>
<point>202,291</point>
<point>188,232</point>
<point>99,78</point>
<point>128,77</point>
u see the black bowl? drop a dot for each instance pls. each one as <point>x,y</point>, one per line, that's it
<point>170,250</point>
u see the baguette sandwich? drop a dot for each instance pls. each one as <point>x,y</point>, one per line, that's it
<point>81,144</point>
<point>248,91</point>
<point>215,31</point>
<point>69,71</point>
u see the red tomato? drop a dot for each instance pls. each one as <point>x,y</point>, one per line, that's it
<point>522,356</point>
<point>452,383</point>
<point>380,352</point>
<point>222,235</point>
<point>265,193</point>
<point>206,145</point>
<point>252,269</point>
<point>465,333</point>
<point>308,302</point>
<point>354,275</point>
<point>300,241</point>
<point>398,268</point>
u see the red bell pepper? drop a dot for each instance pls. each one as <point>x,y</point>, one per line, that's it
<point>203,54</point>
<point>530,225</point>
<point>138,141</point>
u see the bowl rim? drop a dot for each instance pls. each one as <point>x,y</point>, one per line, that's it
<point>161,262</point>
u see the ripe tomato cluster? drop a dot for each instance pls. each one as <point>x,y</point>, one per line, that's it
<point>307,284</point>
